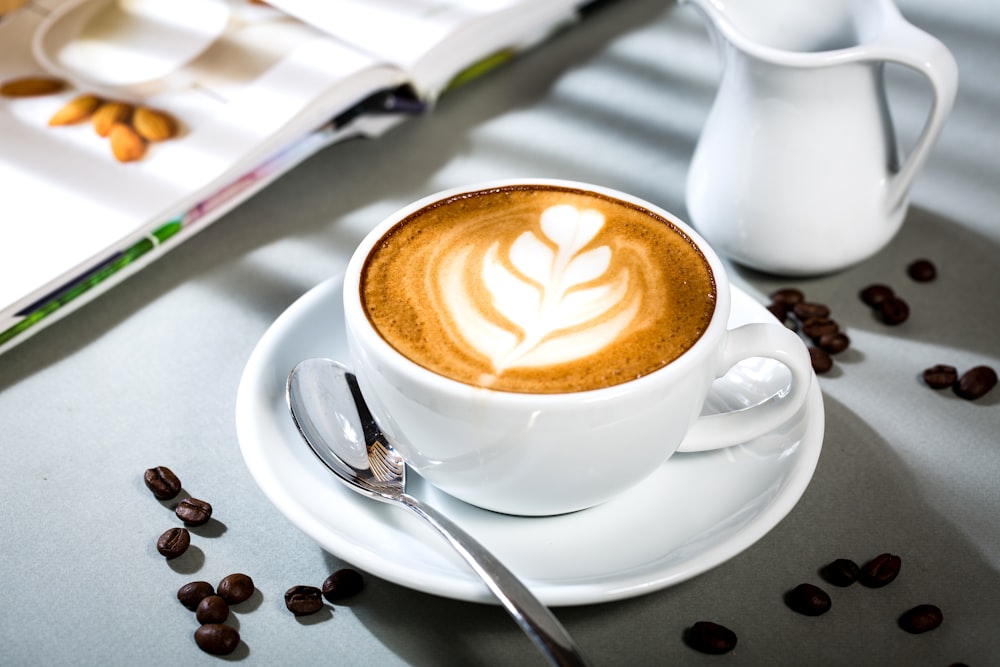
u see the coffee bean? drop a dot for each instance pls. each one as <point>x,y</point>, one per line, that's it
<point>173,542</point>
<point>881,570</point>
<point>940,376</point>
<point>821,361</point>
<point>342,584</point>
<point>212,609</point>
<point>779,310</point>
<point>807,310</point>
<point>875,294</point>
<point>217,638</point>
<point>893,311</point>
<point>834,343</point>
<point>162,481</point>
<point>922,618</point>
<point>922,270</point>
<point>788,296</point>
<point>193,512</point>
<point>192,593</point>
<point>303,600</point>
<point>976,383</point>
<point>841,572</point>
<point>709,637</point>
<point>235,588</point>
<point>817,327</point>
<point>808,599</point>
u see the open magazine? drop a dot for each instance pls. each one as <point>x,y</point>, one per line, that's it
<point>126,126</point>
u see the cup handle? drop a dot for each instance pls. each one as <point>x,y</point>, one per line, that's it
<point>772,341</point>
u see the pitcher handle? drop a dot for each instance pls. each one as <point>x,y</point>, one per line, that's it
<point>905,44</point>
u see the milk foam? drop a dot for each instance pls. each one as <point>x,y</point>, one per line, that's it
<point>537,289</point>
<point>560,300</point>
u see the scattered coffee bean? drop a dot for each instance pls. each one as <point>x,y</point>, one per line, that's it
<point>303,600</point>
<point>841,572</point>
<point>875,294</point>
<point>821,361</point>
<point>976,383</point>
<point>709,637</point>
<point>807,310</point>
<point>173,542</point>
<point>788,296</point>
<point>881,570</point>
<point>893,311</point>
<point>922,618</point>
<point>193,512</point>
<point>217,638</point>
<point>940,376</point>
<point>779,310</point>
<point>191,594</point>
<point>922,270</point>
<point>162,481</point>
<point>212,609</point>
<point>834,343</point>
<point>817,327</point>
<point>342,584</point>
<point>235,588</point>
<point>808,599</point>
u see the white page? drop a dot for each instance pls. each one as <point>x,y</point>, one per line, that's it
<point>67,203</point>
<point>433,39</point>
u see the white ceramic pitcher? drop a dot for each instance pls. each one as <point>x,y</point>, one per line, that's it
<point>797,171</point>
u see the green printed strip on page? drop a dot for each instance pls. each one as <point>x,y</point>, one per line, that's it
<point>89,281</point>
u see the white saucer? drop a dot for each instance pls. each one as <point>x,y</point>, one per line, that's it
<point>693,513</point>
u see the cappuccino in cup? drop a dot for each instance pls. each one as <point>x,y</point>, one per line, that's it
<point>539,346</point>
<point>538,289</point>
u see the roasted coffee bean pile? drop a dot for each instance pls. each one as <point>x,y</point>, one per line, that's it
<point>885,304</point>
<point>812,321</point>
<point>878,572</point>
<point>811,600</point>
<point>164,484</point>
<point>974,383</point>
<point>303,600</point>
<point>211,607</point>
<point>211,604</point>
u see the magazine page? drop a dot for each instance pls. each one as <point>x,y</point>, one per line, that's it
<point>69,200</point>
<point>434,40</point>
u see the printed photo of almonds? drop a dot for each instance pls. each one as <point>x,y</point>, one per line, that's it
<point>129,128</point>
<point>31,86</point>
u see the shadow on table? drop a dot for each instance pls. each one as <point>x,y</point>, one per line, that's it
<point>863,500</point>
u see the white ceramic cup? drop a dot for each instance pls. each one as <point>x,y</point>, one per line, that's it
<point>543,454</point>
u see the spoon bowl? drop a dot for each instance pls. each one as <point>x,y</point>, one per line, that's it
<point>332,417</point>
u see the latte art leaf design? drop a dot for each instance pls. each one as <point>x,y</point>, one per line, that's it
<point>559,300</point>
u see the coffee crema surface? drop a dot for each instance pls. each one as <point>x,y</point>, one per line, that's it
<point>538,289</point>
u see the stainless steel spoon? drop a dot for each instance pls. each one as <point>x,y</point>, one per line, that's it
<point>334,420</point>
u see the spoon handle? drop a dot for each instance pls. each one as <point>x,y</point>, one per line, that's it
<point>541,626</point>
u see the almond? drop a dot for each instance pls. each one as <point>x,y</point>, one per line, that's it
<point>31,86</point>
<point>76,110</point>
<point>126,144</point>
<point>108,114</point>
<point>154,125</point>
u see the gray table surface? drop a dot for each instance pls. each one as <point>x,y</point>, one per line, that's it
<point>147,375</point>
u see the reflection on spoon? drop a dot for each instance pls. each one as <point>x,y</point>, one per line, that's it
<point>334,420</point>
<point>127,42</point>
